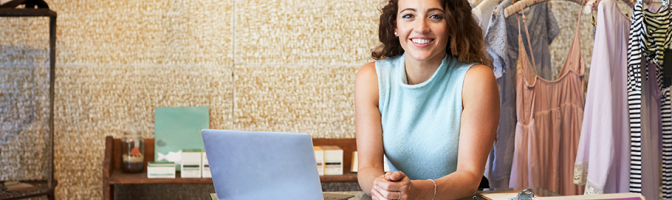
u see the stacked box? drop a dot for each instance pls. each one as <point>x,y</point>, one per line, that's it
<point>333,160</point>
<point>161,169</point>
<point>319,158</point>
<point>205,167</point>
<point>191,163</point>
<point>355,166</point>
<point>386,166</point>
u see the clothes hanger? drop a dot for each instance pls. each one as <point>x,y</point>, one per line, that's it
<point>475,2</point>
<point>591,5</point>
<point>663,2</point>
<point>487,3</point>
<point>485,6</point>
<point>520,5</point>
<point>653,4</point>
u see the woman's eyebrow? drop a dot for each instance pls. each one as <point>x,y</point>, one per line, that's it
<point>435,9</point>
<point>430,10</point>
<point>409,9</point>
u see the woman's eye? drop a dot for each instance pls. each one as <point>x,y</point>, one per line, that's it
<point>407,16</point>
<point>437,17</point>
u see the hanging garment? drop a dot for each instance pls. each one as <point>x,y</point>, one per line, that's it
<point>549,124</point>
<point>666,115</point>
<point>650,133</point>
<point>502,45</point>
<point>602,161</point>
<point>657,39</point>
<point>501,38</point>
<point>649,37</point>
<point>483,12</point>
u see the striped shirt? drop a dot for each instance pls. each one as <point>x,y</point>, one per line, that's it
<point>649,37</point>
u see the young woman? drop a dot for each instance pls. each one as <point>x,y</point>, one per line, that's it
<point>429,90</point>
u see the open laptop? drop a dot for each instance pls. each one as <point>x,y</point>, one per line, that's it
<point>263,165</point>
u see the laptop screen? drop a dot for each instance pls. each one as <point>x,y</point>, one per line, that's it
<point>262,165</point>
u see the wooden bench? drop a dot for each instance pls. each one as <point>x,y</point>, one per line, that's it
<point>112,174</point>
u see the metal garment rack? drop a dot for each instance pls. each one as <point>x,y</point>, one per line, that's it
<point>44,187</point>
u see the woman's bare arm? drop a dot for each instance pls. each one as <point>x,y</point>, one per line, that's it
<point>368,127</point>
<point>478,128</point>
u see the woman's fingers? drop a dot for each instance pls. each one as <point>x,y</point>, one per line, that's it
<point>394,176</point>
<point>391,185</point>
<point>386,194</point>
<point>385,190</point>
<point>388,176</point>
<point>377,193</point>
<point>374,195</point>
<point>398,176</point>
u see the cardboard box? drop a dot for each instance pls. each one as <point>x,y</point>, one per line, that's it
<point>205,166</point>
<point>355,166</point>
<point>319,158</point>
<point>333,160</point>
<point>161,169</point>
<point>386,166</point>
<point>191,163</point>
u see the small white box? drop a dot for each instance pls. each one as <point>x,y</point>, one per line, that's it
<point>333,160</point>
<point>191,163</point>
<point>319,158</point>
<point>355,166</point>
<point>205,167</point>
<point>161,169</point>
<point>386,166</point>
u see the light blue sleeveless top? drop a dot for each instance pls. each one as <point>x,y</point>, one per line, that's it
<point>421,123</point>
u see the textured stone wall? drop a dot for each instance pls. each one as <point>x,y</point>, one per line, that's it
<point>268,65</point>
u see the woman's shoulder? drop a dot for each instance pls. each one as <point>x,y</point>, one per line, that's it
<point>366,84</point>
<point>479,69</point>
<point>478,78</point>
<point>367,73</point>
<point>367,69</point>
<point>478,73</point>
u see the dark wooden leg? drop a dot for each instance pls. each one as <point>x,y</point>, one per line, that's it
<point>108,191</point>
<point>51,196</point>
<point>111,192</point>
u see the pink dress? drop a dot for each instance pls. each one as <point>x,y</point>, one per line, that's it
<point>549,114</point>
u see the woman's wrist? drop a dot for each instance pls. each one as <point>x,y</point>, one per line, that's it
<point>433,182</point>
<point>366,177</point>
<point>422,190</point>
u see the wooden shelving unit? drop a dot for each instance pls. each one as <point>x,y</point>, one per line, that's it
<point>112,174</point>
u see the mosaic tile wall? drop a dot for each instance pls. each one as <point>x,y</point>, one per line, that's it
<point>269,65</point>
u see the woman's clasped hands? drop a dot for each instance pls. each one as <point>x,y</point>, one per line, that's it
<point>391,185</point>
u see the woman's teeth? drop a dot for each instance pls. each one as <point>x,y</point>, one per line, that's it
<point>421,41</point>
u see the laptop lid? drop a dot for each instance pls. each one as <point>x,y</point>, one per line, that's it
<point>262,165</point>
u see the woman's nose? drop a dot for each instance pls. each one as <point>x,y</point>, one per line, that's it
<point>421,26</point>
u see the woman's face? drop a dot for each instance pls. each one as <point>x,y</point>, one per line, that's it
<point>421,29</point>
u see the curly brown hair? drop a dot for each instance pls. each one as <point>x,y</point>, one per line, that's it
<point>466,36</point>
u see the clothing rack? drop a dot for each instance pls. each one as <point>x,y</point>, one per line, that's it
<point>592,4</point>
<point>44,187</point>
